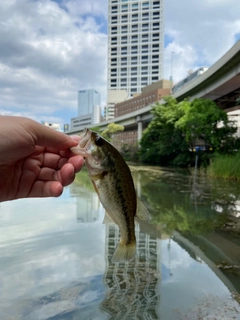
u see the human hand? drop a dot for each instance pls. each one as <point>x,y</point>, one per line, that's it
<point>35,161</point>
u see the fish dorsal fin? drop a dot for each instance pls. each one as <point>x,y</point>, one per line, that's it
<point>142,211</point>
<point>107,219</point>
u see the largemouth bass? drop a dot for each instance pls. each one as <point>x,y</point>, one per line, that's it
<point>112,180</point>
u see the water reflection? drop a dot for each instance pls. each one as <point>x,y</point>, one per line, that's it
<point>55,254</point>
<point>132,287</point>
<point>87,210</point>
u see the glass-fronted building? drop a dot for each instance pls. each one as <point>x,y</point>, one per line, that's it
<point>87,99</point>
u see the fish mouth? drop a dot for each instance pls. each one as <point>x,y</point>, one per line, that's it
<point>84,146</point>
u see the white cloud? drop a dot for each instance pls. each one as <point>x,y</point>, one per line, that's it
<point>52,49</point>
<point>199,33</point>
<point>47,55</point>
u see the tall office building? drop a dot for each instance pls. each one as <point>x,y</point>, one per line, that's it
<point>135,44</point>
<point>87,99</point>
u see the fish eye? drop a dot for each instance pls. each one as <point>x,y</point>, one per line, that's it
<point>99,141</point>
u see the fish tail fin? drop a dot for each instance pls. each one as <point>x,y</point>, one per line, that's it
<point>124,252</point>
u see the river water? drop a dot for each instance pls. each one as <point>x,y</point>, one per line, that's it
<point>55,254</point>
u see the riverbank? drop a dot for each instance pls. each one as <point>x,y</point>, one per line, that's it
<point>225,166</point>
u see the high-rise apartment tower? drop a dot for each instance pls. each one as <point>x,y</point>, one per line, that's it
<point>135,44</point>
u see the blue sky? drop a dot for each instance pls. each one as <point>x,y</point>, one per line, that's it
<point>60,47</point>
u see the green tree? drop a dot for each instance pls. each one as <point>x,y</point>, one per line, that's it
<point>111,129</point>
<point>162,143</point>
<point>204,120</point>
<point>176,127</point>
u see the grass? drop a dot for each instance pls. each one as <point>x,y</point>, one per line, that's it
<point>225,166</point>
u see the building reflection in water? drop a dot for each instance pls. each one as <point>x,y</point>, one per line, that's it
<point>132,287</point>
<point>87,203</point>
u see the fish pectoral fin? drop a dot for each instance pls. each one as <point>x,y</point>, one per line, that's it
<point>107,219</point>
<point>98,176</point>
<point>142,211</point>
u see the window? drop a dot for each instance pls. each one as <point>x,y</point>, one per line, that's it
<point>123,71</point>
<point>154,69</point>
<point>155,15</point>
<point>134,49</point>
<point>144,70</point>
<point>135,17</point>
<point>134,6</point>
<point>133,71</point>
<point>145,49</point>
<point>113,62</point>
<point>144,59</point>
<point>123,61</point>
<point>113,72</point>
<point>134,39</point>
<point>114,9</point>
<point>113,30</point>
<point>124,80</point>
<point>145,5</point>
<point>114,40</point>
<point>124,7</point>
<point>133,60</point>
<point>124,40</point>
<point>155,37</point>
<point>124,18</point>
<point>155,26</point>
<point>145,38</point>
<point>114,51</point>
<point>114,19</point>
<point>124,50</point>
<point>145,16</point>
<point>124,29</point>
<point>134,28</point>
<point>154,78</point>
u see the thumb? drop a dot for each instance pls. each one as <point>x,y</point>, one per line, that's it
<point>48,137</point>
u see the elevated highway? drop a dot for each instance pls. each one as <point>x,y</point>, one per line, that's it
<point>221,83</point>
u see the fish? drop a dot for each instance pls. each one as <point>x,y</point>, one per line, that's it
<point>113,182</point>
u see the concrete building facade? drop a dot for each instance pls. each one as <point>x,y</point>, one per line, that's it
<point>135,44</point>
<point>87,120</point>
<point>114,96</point>
<point>150,94</point>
